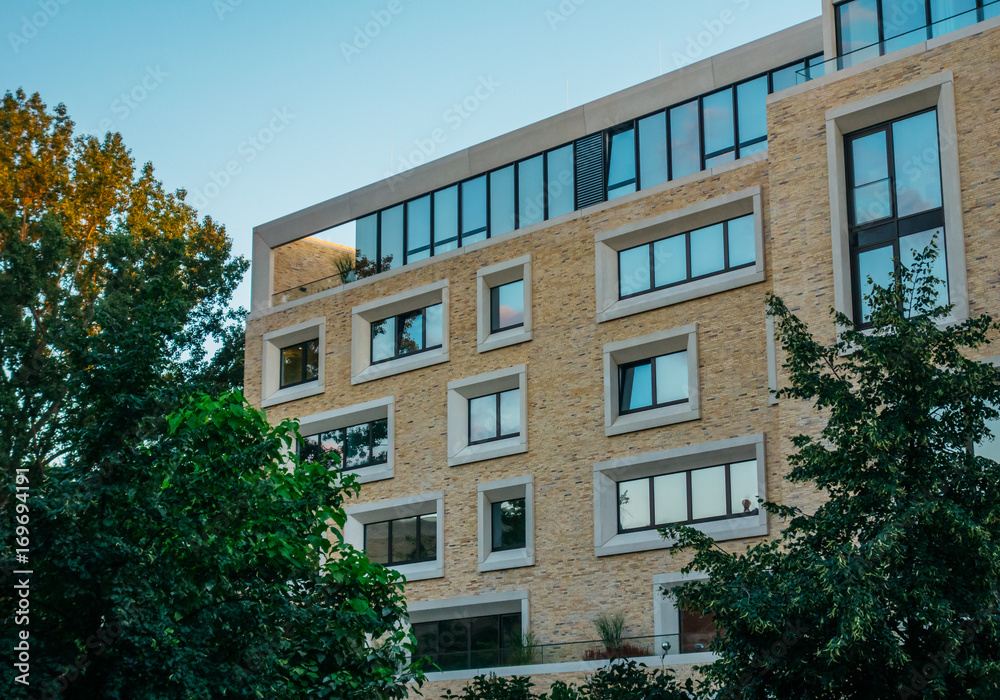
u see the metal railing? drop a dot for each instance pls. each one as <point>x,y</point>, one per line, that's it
<point>901,41</point>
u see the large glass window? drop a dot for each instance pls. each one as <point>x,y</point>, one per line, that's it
<point>418,229</point>
<point>895,202</point>
<point>366,242</point>
<point>402,541</point>
<point>990,447</point>
<point>407,334</point>
<point>508,522</point>
<point>751,113</point>
<point>446,219</point>
<point>299,363</point>
<point>560,178</point>
<point>495,416</point>
<point>697,632</point>
<point>478,642</point>
<point>698,495</point>
<point>621,162</point>
<point>653,383</point>
<point>391,237</point>
<point>474,210</point>
<point>358,446</point>
<point>506,306</point>
<point>653,165</point>
<point>501,201</point>
<point>685,140</point>
<point>719,130</point>
<point>530,191</point>
<point>725,246</point>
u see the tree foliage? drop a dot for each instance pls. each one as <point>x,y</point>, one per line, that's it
<point>890,588</point>
<point>178,548</point>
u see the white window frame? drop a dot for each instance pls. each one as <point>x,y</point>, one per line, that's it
<point>494,276</point>
<point>634,349</point>
<point>353,415</point>
<point>364,315</point>
<point>361,515</point>
<point>666,622</point>
<point>608,541</point>
<point>495,492</point>
<point>460,392</point>
<point>937,91</point>
<point>271,391</point>
<point>713,211</point>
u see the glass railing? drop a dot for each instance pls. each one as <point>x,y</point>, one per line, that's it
<point>308,288</point>
<point>901,41</point>
<point>665,645</point>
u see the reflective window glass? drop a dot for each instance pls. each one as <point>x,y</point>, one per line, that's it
<point>857,22</point>
<point>411,332</point>
<point>707,251</point>
<point>719,134</point>
<point>670,260</point>
<point>653,150</point>
<point>392,237</point>
<point>671,377</point>
<point>743,487</point>
<point>878,265</point>
<point>377,542</point>
<point>685,140</point>
<point>404,540</point>
<point>670,498</point>
<point>446,219</point>
<point>949,15</point>
<point>633,270</point>
<point>474,210</point>
<point>418,229</point>
<point>561,180</point>
<point>742,244</point>
<point>633,504</point>
<point>510,412</point>
<point>383,339</point>
<point>530,192</point>
<point>637,387</point>
<point>708,493</point>
<point>502,201</point>
<point>483,418</point>
<point>990,447</point>
<point>507,306</point>
<point>621,164</point>
<point>433,321</point>
<point>366,240</point>
<point>917,164</point>
<point>786,77</point>
<point>508,524</point>
<point>916,243</point>
<point>751,101</point>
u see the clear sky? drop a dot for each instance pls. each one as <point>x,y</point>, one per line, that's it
<point>304,100</point>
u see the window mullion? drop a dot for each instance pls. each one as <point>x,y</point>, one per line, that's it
<point>729,491</point>
<point>652,504</point>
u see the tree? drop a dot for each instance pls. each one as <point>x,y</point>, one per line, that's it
<point>179,550</point>
<point>890,588</point>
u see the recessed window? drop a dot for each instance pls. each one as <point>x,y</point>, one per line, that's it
<point>698,495</point>
<point>402,541</point>
<point>299,363</point>
<point>507,306</point>
<point>359,446</point>
<point>476,642</point>
<point>508,524</point>
<point>653,383</point>
<point>495,416</point>
<point>697,632</point>
<point>685,632</point>
<point>406,334</point>
<point>728,245</point>
<point>895,205</point>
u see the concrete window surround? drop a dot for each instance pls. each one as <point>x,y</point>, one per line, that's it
<point>772,360</point>
<point>460,392</point>
<point>353,415</point>
<point>495,492</point>
<point>666,621</point>
<point>271,393</point>
<point>713,211</point>
<point>495,276</point>
<point>361,515</point>
<point>937,91</point>
<point>608,541</point>
<point>643,347</point>
<point>364,315</point>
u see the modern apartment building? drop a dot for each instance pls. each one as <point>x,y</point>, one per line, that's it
<point>557,340</point>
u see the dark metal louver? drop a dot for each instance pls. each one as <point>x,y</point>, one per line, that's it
<point>589,170</point>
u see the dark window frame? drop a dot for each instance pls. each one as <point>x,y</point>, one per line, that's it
<point>499,436</point>
<point>469,652</point>
<point>398,334</point>
<point>420,545</point>
<point>371,462</point>
<point>495,307</point>
<point>687,259</point>
<point>690,500</point>
<point>305,364</point>
<point>651,361</point>
<point>499,504</point>
<point>891,228</point>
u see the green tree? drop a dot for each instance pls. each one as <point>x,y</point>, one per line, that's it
<point>180,557</point>
<point>890,588</point>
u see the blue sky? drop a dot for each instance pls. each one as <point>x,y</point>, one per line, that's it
<point>260,108</point>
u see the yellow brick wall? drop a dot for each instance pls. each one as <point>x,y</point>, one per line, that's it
<point>568,585</point>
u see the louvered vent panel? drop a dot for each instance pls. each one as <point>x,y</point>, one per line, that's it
<point>589,170</point>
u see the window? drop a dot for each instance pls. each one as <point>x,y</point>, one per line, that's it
<point>494,417</point>
<point>399,333</point>
<point>870,28</point>
<point>418,229</point>
<point>651,381</point>
<point>507,306</point>
<point>477,642</point>
<point>361,434</point>
<point>506,524</point>
<point>402,541</point>
<point>406,334</point>
<point>621,163</point>
<point>502,201</point>
<point>468,633</point>
<point>474,222</point>
<point>685,632</point>
<point>299,363</point>
<point>405,534</point>
<point>292,364</point>
<point>530,191</point>
<point>487,416</point>
<point>729,245</point>
<point>713,487</point>
<point>990,447</point>
<point>358,446</point>
<point>504,304</point>
<point>559,176</point>
<point>896,207</point>
<point>702,249</point>
<point>699,495</point>
<point>895,185</point>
